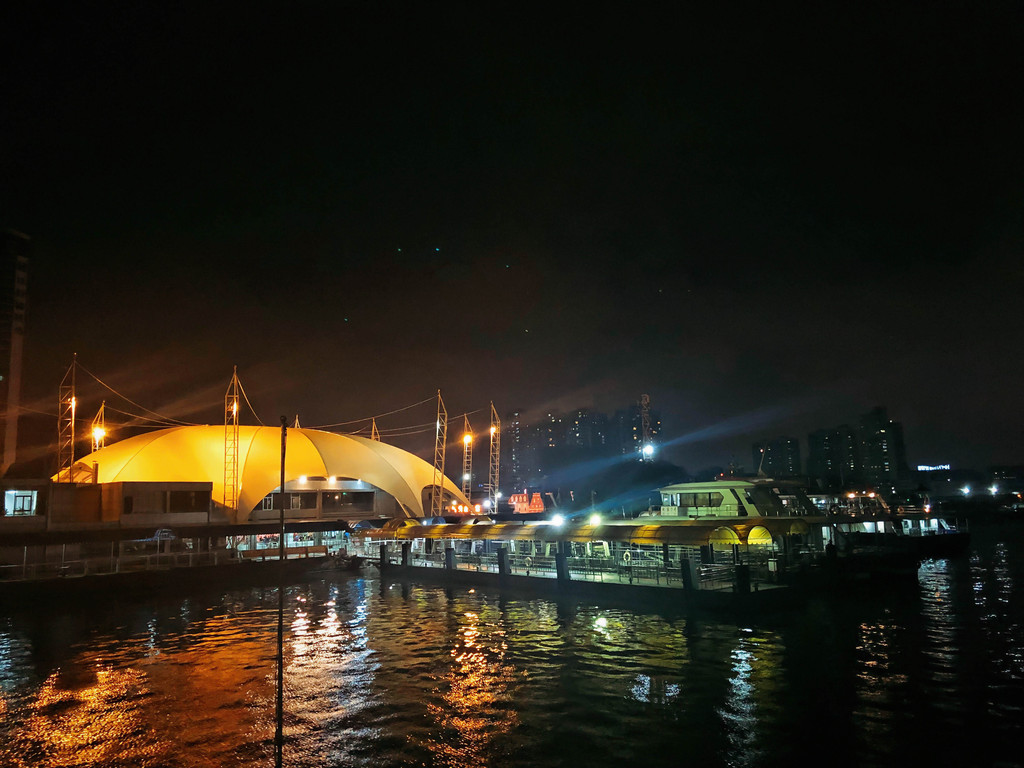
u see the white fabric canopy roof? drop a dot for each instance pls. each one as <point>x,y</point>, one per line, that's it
<point>196,454</point>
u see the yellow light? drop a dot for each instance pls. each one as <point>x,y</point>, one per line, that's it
<point>493,430</point>
<point>871,495</point>
<point>234,407</point>
<point>98,433</point>
<point>74,402</point>
<point>477,508</point>
<point>851,495</point>
<point>302,478</point>
<point>467,439</point>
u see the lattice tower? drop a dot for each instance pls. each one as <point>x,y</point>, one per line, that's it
<point>645,426</point>
<point>467,458</point>
<point>374,434</point>
<point>66,406</point>
<point>493,467</point>
<point>231,443</point>
<point>440,441</point>
<point>99,427</point>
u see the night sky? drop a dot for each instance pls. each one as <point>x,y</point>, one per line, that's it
<point>769,220</point>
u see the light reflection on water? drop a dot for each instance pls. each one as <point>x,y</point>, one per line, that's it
<point>385,674</point>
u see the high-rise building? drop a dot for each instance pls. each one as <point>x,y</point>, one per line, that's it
<point>586,428</point>
<point>777,458</point>
<point>512,450</point>
<point>883,454</point>
<point>14,254</point>
<point>833,457</point>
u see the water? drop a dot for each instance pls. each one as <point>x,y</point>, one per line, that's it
<point>393,675</point>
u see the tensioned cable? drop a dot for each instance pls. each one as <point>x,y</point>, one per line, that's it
<point>123,397</point>
<point>249,404</point>
<point>137,416</point>
<point>378,416</point>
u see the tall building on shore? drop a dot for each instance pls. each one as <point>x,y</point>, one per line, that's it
<point>14,254</point>
<point>777,458</point>
<point>833,456</point>
<point>873,455</point>
<point>882,449</point>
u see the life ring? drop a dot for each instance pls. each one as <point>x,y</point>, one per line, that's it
<point>626,557</point>
<point>528,561</point>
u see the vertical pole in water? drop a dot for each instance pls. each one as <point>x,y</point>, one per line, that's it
<point>279,736</point>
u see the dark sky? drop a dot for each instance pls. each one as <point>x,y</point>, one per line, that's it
<point>768,220</point>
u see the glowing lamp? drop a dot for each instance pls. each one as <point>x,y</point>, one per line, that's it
<point>467,439</point>
<point>557,520</point>
<point>595,519</point>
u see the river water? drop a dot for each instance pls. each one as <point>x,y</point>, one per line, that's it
<point>380,674</point>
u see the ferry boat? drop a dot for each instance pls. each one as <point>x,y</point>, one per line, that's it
<point>864,519</point>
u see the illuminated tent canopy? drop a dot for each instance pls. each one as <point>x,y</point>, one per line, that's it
<point>196,454</point>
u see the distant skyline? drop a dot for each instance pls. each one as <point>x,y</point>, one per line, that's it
<point>770,222</point>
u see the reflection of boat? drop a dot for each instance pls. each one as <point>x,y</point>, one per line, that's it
<point>340,562</point>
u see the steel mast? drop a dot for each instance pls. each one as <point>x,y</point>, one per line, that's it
<point>493,467</point>
<point>231,444</point>
<point>440,440</point>
<point>467,458</point>
<point>66,405</point>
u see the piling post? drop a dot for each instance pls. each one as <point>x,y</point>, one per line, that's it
<point>405,553</point>
<point>383,556</point>
<point>503,563</point>
<point>449,558</point>
<point>690,574</point>
<point>742,579</point>
<point>562,562</point>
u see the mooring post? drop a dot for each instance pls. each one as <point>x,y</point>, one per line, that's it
<point>742,579</point>
<point>405,553</point>
<point>449,558</point>
<point>503,563</point>
<point>383,556</point>
<point>690,574</point>
<point>562,562</point>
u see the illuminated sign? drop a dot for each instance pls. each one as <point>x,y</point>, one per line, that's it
<point>936,468</point>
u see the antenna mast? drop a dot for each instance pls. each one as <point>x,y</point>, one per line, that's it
<point>492,474</point>
<point>440,440</point>
<point>66,406</point>
<point>467,458</point>
<point>374,434</point>
<point>231,443</point>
